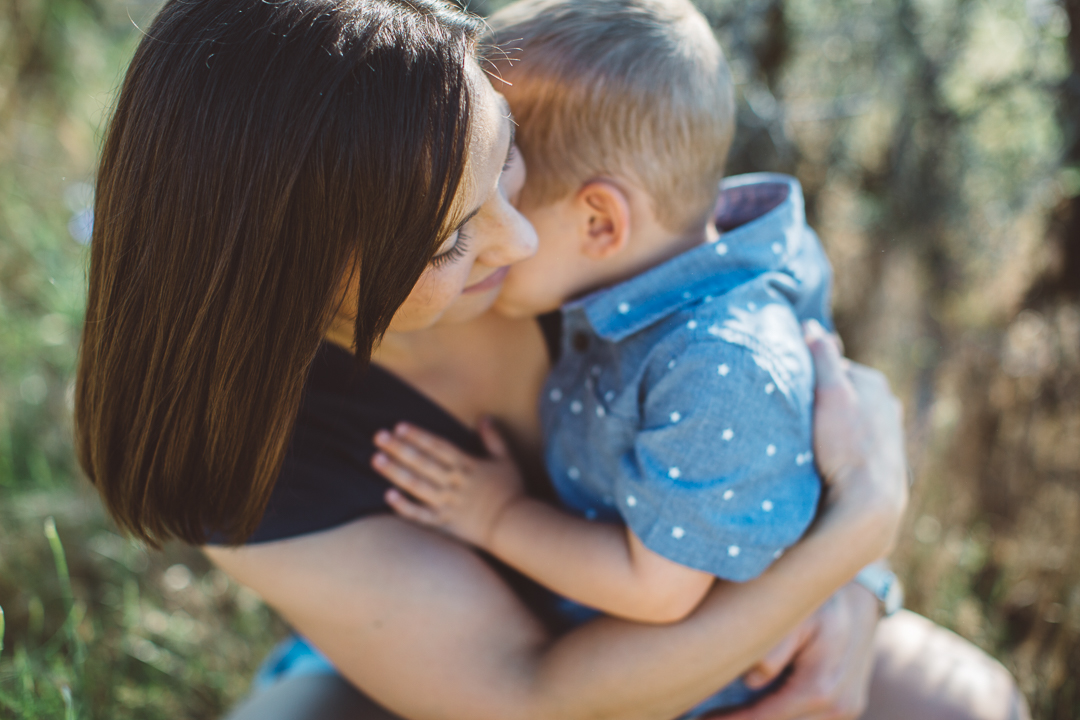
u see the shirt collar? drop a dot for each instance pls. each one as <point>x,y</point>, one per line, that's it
<point>761,217</point>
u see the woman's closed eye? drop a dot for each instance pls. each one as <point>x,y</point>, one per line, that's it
<point>455,253</point>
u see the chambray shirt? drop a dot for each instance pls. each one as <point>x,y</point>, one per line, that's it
<point>681,404</point>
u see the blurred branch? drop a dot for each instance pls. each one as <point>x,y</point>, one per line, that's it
<point>35,47</point>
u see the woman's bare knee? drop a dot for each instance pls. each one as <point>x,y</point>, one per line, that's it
<point>924,671</point>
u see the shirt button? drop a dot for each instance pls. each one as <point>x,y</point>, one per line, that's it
<point>580,341</point>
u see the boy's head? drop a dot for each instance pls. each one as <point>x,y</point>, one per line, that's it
<point>628,96</point>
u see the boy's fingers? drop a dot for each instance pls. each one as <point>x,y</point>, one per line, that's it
<point>410,510</point>
<point>404,478</point>
<point>439,449</point>
<point>493,439</point>
<point>405,453</point>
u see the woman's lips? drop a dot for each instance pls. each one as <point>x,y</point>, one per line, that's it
<point>493,280</point>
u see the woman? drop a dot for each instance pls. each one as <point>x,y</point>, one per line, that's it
<point>286,183</point>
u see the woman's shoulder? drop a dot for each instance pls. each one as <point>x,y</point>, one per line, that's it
<point>326,479</point>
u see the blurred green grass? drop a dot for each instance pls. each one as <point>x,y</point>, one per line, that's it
<point>118,632</point>
<point>937,141</point>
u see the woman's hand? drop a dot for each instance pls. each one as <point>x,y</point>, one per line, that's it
<point>458,493</point>
<point>858,442</point>
<point>833,656</point>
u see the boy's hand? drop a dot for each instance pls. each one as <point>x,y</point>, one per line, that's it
<point>460,494</point>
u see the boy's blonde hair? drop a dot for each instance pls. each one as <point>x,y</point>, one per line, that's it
<point>634,88</point>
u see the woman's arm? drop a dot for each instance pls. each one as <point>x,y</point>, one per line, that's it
<point>421,624</point>
<point>427,629</point>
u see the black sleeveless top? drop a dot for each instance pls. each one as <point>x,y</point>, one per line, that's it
<point>327,480</point>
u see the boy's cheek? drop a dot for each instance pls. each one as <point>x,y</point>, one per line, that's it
<point>544,282</point>
<point>529,289</point>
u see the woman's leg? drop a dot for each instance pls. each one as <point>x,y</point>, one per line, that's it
<point>924,671</point>
<point>321,696</point>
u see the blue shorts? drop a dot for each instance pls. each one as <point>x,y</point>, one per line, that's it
<point>296,656</point>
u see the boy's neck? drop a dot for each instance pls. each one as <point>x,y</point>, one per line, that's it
<point>652,245</point>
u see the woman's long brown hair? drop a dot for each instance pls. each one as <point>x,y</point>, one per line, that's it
<point>257,150</point>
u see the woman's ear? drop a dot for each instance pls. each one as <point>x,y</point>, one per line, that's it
<point>605,212</point>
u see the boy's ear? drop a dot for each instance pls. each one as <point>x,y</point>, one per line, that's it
<point>605,212</point>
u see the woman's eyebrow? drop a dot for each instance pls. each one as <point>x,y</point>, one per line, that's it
<point>513,127</point>
<point>464,220</point>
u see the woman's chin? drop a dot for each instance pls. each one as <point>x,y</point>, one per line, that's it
<point>469,306</point>
<point>516,302</point>
<point>508,308</point>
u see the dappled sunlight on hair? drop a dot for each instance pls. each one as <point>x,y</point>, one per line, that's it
<point>633,89</point>
<point>257,150</point>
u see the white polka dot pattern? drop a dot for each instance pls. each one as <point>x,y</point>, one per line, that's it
<point>685,357</point>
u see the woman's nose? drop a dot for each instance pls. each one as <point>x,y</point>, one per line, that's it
<point>513,236</point>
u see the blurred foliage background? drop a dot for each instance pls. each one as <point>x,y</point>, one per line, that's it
<point>939,145</point>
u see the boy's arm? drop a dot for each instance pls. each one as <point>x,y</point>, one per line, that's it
<point>601,565</point>
<point>482,502</point>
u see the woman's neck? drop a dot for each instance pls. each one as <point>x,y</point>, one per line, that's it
<point>430,349</point>
<point>417,352</point>
<point>488,366</point>
<point>491,365</point>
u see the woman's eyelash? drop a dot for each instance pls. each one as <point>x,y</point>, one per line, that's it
<point>453,254</point>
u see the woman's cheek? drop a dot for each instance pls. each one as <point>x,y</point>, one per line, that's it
<point>433,293</point>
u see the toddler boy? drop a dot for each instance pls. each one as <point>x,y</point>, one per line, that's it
<point>678,416</point>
